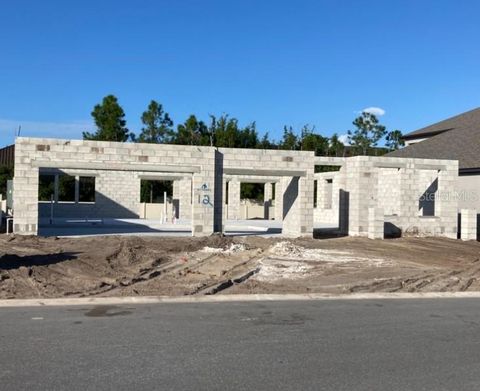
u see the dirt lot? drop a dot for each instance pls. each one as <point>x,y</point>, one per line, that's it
<point>119,266</point>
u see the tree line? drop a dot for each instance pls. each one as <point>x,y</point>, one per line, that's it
<point>225,131</point>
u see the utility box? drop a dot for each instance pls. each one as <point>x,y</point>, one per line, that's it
<point>9,195</point>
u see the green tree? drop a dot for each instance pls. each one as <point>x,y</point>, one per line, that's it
<point>289,140</point>
<point>265,143</point>
<point>248,137</point>
<point>394,140</point>
<point>224,131</point>
<point>336,147</point>
<point>157,125</point>
<point>191,132</point>
<point>311,141</point>
<point>6,173</point>
<point>252,191</point>
<point>109,118</point>
<point>153,191</point>
<point>368,132</point>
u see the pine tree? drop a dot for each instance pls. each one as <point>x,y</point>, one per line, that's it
<point>109,118</point>
<point>158,127</point>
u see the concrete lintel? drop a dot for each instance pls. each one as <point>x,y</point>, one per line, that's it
<point>439,167</point>
<point>252,180</point>
<point>329,161</point>
<point>269,173</point>
<point>76,172</point>
<point>326,175</point>
<point>390,165</point>
<point>117,167</point>
<point>154,177</point>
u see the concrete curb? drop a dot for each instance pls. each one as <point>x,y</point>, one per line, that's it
<point>229,298</point>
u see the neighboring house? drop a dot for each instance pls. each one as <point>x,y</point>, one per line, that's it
<point>7,155</point>
<point>455,138</point>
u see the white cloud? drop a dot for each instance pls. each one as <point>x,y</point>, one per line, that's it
<point>74,129</point>
<point>343,138</point>
<point>378,111</point>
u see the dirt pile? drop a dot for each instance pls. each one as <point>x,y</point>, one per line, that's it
<point>115,266</point>
<point>50,267</point>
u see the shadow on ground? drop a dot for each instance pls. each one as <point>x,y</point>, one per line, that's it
<point>12,261</point>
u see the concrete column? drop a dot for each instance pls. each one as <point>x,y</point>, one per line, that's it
<point>469,224</point>
<point>362,180</point>
<point>25,198</point>
<point>279,188</point>
<point>267,200</point>
<point>291,207</point>
<point>376,223</point>
<point>176,197</point>
<point>203,201</point>
<point>182,197</point>
<point>219,193</point>
<point>267,192</point>
<point>234,199</point>
<point>77,189</point>
<point>336,198</point>
<point>306,204</point>
<point>176,189</point>
<point>446,204</point>
<point>225,205</point>
<point>298,206</point>
<point>409,197</point>
<point>343,201</point>
<point>55,188</point>
<point>321,193</point>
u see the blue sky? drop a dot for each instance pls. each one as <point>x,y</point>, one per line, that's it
<point>275,62</point>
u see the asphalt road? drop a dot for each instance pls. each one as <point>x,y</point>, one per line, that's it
<point>309,345</point>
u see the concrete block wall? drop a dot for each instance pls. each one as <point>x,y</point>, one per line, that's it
<point>469,229</point>
<point>328,200</point>
<point>279,189</point>
<point>234,199</point>
<point>281,163</point>
<point>117,195</point>
<point>362,183</point>
<point>389,190</point>
<point>376,223</point>
<point>268,201</point>
<point>182,198</point>
<point>305,226</point>
<point>176,197</point>
<point>250,209</point>
<point>237,209</point>
<point>427,181</point>
<point>128,158</point>
<point>447,202</point>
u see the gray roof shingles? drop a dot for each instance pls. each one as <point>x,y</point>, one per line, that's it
<point>465,120</point>
<point>459,139</point>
